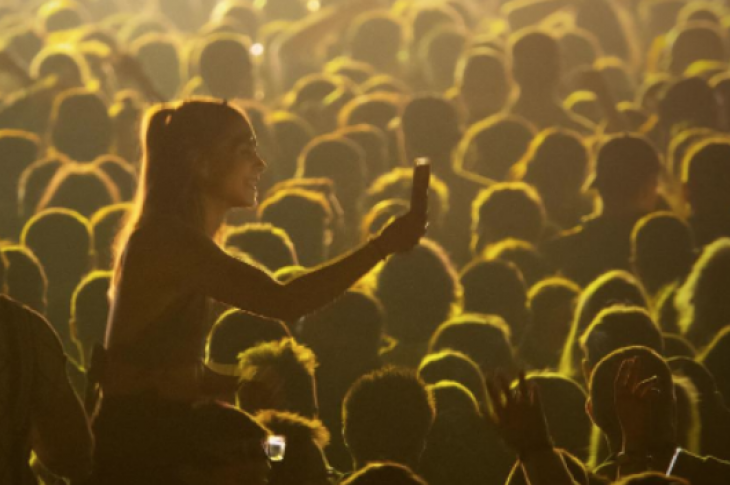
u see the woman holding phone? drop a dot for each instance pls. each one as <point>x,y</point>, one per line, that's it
<point>199,161</point>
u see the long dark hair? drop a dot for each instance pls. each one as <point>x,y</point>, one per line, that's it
<point>175,140</point>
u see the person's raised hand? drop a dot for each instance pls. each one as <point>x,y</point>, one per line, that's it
<point>634,401</point>
<point>518,415</point>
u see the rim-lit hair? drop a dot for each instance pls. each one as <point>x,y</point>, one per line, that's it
<point>176,139</point>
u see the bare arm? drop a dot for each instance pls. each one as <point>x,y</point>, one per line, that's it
<point>211,271</point>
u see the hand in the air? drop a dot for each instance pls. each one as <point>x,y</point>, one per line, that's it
<point>634,400</point>
<point>403,233</point>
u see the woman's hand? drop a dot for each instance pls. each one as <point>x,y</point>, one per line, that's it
<point>402,233</point>
<point>634,400</point>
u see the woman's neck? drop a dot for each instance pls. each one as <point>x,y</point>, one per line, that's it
<point>214,213</point>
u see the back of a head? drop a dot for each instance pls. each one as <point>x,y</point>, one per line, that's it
<point>662,250</point>
<point>525,256</point>
<point>616,327</point>
<point>384,474</point>
<point>348,331</point>
<point>339,159</point>
<point>506,210</point>
<point>689,102</point>
<point>483,338</point>
<point>286,368</point>
<point>382,54</point>
<point>83,188</point>
<point>305,216</point>
<point>90,310</point>
<point>62,241</point>
<point>80,125</point>
<point>491,147</point>
<point>291,134</point>
<point>695,41</point>
<point>556,162</point>
<point>706,174</point>
<point>625,164</point>
<point>237,331</point>
<point>419,290</point>
<point>387,415</point>
<point>430,127</point>
<point>160,57</point>
<point>269,245</point>
<point>611,288</point>
<point>601,390</point>
<point>495,287</point>
<point>25,277</point>
<point>702,300</point>
<point>452,365</point>
<point>535,59</point>
<point>226,68</point>
<point>373,109</point>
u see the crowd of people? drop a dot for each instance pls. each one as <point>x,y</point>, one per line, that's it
<point>212,272</point>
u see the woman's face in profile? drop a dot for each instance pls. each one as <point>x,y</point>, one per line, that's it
<point>236,167</point>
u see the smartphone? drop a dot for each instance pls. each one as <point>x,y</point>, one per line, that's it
<point>275,446</point>
<point>419,190</point>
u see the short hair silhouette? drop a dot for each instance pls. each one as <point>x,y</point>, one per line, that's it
<point>293,388</point>
<point>611,288</point>
<point>225,66</point>
<point>430,127</point>
<point>495,287</point>
<point>418,290</point>
<point>525,256</point>
<point>506,210</point>
<point>376,109</point>
<point>80,127</point>
<point>551,303</point>
<point>269,245</point>
<point>483,338</point>
<point>452,365</point>
<point>291,134</point>
<point>616,327</point>
<point>382,55</point>
<point>490,147</point>
<point>483,83</point>
<point>387,415</point>
<point>236,331</point>
<point>305,215</point>
<point>662,250</point>
<point>83,188</point>
<point>159,55</point>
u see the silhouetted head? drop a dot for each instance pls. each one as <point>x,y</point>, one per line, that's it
<point>483,338</point>
<point>627,172</point>
<point>616,327</point>
<point>159,55</point>
<point>695,41</point>
<point>225,66</point>
<point>452,365</point>
<point>80,127</point>
<point>418,290</point>
<point>483,83</point>
<point>235,332</point>
<point>82,188</point>
<point>492,146</point>
<point>662,250</point>
<point>383,54</point>
<point>439,54</point>
<point>525,256</point>
<point>706,175</point>
<point>688,102</point>
<point>278,375</point>
<point>267,244</point>
<point>430,128</point>
<point>386,416</point>
<point>291,134</point>
<point>377,109</point>
<point>496,288</point>
<point>702,301</point>
<point>536,61</point>
<point>306,217</point>
<point>346,333</point>
<point>506,210</point>
<point>375,146</point>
